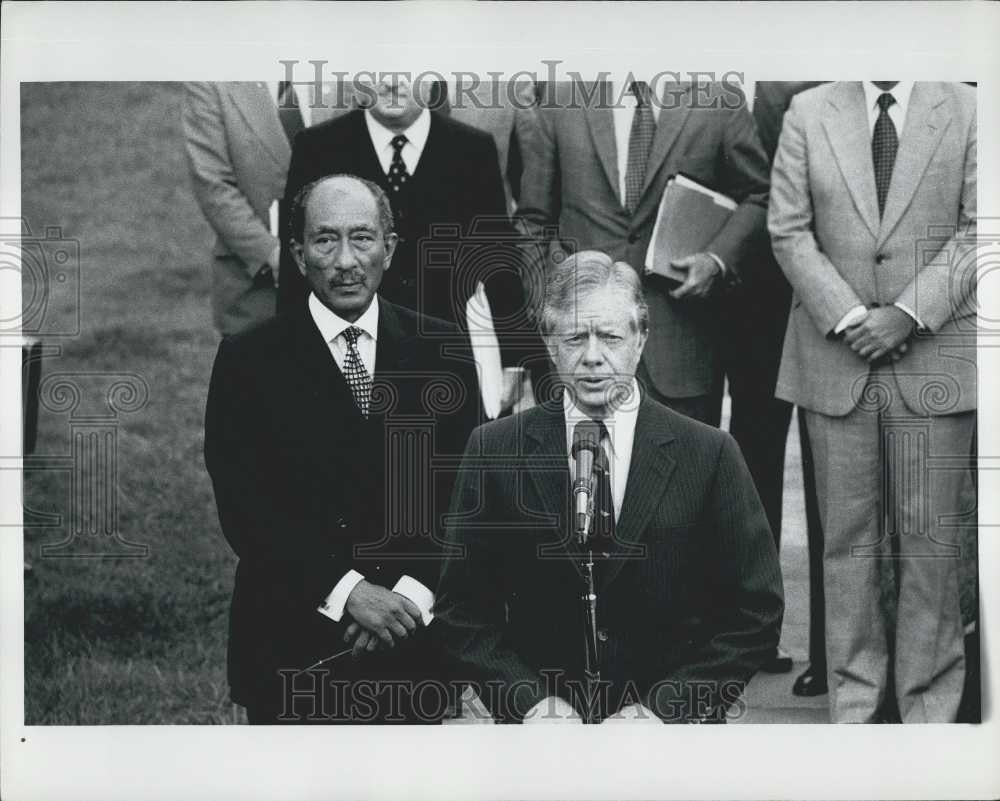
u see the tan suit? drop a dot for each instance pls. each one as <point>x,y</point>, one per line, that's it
<point>238,158</point>
<point>891,443</point>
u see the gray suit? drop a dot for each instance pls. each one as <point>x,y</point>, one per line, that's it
<point>571,180</point>
<point>238,157</point>
<point>891,443</point>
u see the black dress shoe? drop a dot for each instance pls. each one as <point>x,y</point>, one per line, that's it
<point>777,662</point>
<point>810,683</point>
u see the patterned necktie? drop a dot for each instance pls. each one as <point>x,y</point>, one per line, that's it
<point>603,532</point>
<point>288,110</point>
<point>357,375</point>
<point>885,144</point>
<point>397,170</point>
<point>640,141</point>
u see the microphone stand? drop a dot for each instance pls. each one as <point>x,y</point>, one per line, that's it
<point>592,670</point>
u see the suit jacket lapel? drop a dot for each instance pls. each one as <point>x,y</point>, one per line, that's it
<point>258,109</point>
<point>321,375</point>
<point>846,128</point>
<point>548,466</point>
<point>923,128</point>
<point>648,480</point>
<point>601,122</point>
<point>674,111</point>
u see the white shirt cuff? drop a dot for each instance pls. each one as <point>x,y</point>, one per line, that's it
<point>422,597</point>
<point>719,261</point>
<point>910,313</point>
<point>333,606</point>
<point>849,319</point>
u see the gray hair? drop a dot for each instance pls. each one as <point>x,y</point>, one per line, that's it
<point>585,272</point>
<point>297,214</point>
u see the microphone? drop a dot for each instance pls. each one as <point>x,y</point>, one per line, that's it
<point>586,441</point>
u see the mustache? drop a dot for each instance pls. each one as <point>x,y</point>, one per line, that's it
<point>346,280</point>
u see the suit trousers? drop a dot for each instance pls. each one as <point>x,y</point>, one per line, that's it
<point>892,485</point>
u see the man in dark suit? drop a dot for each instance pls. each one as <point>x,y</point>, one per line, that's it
<point>310,421</point>
<point>753,319</point>
<point>596,168</point>
<point>443,180</point>
<point>689,598</point>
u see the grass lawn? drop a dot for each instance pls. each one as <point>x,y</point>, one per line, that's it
<point>126,640</point>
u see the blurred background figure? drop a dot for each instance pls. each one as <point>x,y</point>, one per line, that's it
<point>238,141</point>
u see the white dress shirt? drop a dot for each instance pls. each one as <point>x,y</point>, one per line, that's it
<point>332,326</point>
<point>416,138</point>
<point>621,433</point>
<point>897,113</point>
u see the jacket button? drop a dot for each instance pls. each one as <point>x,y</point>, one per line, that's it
<point>633,238</point>
<point>341,522</point>
<point>602,635</point>
<point>378,568</point>
<point>881,257</point>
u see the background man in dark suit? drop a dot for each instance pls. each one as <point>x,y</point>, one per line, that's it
<point>443,180</point>
<point>596,168</point>
<point>299,442</point>
<point>689,598</point>
<point>752,320</point>
<point>873,220</point>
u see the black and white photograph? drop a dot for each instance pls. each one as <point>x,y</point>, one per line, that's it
<point>498,365</point>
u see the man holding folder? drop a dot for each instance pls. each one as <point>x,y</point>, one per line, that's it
<point>597,157</point>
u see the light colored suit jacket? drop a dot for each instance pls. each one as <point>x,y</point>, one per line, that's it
<point>837,253</point>
<point>571,181</point>
<point>238,157</point>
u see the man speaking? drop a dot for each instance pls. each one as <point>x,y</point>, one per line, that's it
<point>685,573</point>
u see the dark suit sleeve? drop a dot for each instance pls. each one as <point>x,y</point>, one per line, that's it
<point>503,277</point>
<point>263,528</point>
<point>539,206</point>
<point>745,179</point>
<point>301,170</point>
<point>745,590</point>
<point>470,599</point>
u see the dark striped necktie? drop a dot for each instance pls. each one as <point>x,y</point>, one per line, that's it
<point>640,142</point>
<point>885,145</point>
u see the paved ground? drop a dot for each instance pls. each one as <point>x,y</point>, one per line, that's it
<point>769,698</point>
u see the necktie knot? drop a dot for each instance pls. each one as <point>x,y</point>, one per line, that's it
<point>640,89</point>
<point>398,142</point>
<point>352,335</point>
<point>885,100</point>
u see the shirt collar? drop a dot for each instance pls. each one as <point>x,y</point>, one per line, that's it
<point>331,325</point>
<point>416,134</point>
<point>901,92</point>
<point>619,423</point>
